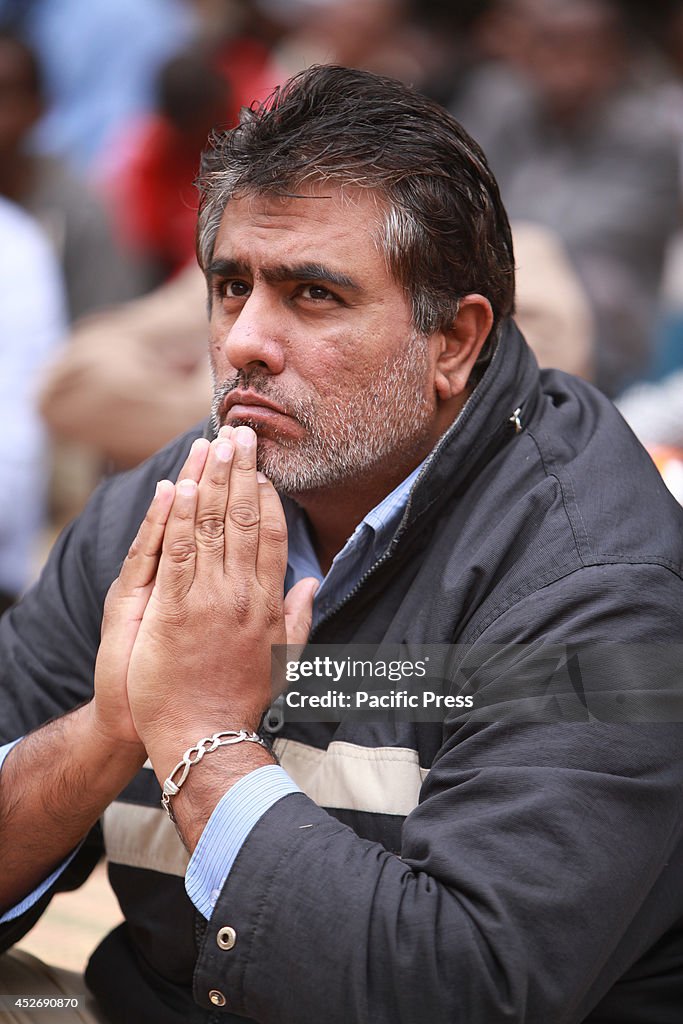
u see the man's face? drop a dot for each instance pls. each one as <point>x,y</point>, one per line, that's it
<point>312,343</point>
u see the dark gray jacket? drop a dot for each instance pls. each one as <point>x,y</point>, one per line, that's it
<point>503,872</point>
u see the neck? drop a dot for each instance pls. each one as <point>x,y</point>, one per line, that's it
<point>334,512</point>
<point>334,515</point>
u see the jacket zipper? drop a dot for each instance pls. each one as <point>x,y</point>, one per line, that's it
<point>274,718</point>
<point>403,526</point>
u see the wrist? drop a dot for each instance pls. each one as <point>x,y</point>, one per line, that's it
<point>197,800</point>
<point>196,778</point>
<point>110,747</point>
<point>168,737</point>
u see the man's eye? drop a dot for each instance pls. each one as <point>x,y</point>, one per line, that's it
<point>234,289</point>
<point>316,292</point>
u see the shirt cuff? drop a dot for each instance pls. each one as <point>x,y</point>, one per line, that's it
<point>227,830</point>
<point>33,897</point>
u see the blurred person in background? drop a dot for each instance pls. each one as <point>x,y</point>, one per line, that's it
<point>94,269</point>
<point>150,165</point>
<point>667,73</point>
<point>153,189</point>
<point>242,35</point>
<point>576,148</point>
<point>132,378</point>
<point>453,52</point>
<point>654,411</point>
<point>31,326</point>
<point>100,60</point>
<point>376,35</point>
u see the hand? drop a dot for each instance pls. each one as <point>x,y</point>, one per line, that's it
<point>201,661</point>
<point>125,605</point>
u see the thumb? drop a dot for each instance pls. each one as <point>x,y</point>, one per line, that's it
<point>298,609</point>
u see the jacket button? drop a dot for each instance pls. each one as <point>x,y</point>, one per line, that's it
<point>226,938</point>
<point>216,997</point>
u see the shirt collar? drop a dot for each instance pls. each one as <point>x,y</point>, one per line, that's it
<point>363,548</point>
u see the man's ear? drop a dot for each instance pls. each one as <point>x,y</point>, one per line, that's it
<point>461,345</point>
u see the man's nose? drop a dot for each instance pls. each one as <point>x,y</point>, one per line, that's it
<point>257,336</point>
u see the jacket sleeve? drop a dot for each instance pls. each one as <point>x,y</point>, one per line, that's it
<point>49,639</point>
<point>49,642</point>
<point>72,877</point>
<point>530,876</point>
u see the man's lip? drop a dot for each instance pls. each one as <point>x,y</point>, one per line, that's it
<point>250,398</point>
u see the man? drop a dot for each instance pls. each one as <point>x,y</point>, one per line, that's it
<point>360,275</point>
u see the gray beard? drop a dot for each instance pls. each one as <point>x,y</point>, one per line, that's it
<point>388,421</point>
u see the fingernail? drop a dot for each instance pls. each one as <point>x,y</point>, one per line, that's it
<point>224,451</point>
<point>245,437</point>
<point>163,485</point>
<point>225,431</point>
<point>187,487</point>
<point>262,478</point>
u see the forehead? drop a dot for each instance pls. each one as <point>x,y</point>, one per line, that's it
<point>320,224</point>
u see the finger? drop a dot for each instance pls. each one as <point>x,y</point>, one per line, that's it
<point>196,458</point>
<point>141,562</point>
<point>299,610</point>
<point>271,559</point>
<point>242,519</point>
<point>212,502</point>
<point>178,556</point>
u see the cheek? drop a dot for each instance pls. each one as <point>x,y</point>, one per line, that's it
<point>339,375</point>
<point>321,357</point>
<point>354,353</point>
<point>216,354</point>
<point>217,351</point>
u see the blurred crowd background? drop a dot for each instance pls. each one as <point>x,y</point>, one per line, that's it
<point>105,106</point>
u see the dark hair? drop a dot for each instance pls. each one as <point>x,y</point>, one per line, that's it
<point>444,229</point>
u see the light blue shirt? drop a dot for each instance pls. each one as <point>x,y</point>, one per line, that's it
<point>240,809</point>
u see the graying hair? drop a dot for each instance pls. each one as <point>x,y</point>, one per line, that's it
<point>442,227</point>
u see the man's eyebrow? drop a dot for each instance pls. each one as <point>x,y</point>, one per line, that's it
<point>226,268</point>
<point>284,272</point>
<point>309,272</point>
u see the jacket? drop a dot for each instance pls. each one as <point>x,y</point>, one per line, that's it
<point>500,871</point>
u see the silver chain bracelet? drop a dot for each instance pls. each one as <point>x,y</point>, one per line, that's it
<point>196,753</point>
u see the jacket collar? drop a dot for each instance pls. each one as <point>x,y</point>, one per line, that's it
<point>501,405</point>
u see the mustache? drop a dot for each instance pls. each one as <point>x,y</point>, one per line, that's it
<point>261,384</point>
<point>258,382</point>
